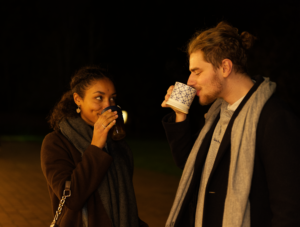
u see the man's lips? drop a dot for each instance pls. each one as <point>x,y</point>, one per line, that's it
<point>198,92</point>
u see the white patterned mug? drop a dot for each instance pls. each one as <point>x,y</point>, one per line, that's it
<point>181,97</point>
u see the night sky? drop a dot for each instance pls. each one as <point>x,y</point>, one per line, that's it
<point>142,44</point>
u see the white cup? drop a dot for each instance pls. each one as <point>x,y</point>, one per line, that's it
<point>181,97</point>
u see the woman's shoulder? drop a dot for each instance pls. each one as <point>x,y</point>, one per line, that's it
<point>55,141</point>
<point>54,136</point>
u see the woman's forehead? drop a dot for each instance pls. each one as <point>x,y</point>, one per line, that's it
<point>104,86</point>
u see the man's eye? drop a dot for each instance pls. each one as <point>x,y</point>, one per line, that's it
<point>113,99</point>
<point>99,98</point>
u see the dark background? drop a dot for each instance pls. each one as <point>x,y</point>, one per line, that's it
<point>141,43</point>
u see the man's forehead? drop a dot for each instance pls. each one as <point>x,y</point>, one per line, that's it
<point>196,60</point>
<point>197,55</point>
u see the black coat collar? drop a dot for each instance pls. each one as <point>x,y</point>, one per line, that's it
<point>225,143</point>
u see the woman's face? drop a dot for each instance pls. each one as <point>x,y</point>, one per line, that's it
<point>99,95</point>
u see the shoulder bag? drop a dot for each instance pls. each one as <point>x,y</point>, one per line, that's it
<point>66,193</point>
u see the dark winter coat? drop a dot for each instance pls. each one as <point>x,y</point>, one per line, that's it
<point>274,196</point>
<point>60,160</point>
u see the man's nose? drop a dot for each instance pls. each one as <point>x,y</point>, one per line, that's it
<point>191,80</point>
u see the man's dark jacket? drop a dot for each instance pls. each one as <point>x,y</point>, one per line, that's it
<point>275,189</point>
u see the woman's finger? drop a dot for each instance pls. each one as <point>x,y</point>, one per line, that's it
<point>109,120</point>
<point>110,125</point>
<point>103,126</point>
<point>104,120</point>
<point>109,114</point>
<point>106,115</point>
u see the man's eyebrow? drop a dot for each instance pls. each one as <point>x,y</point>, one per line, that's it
<point>194,69</point>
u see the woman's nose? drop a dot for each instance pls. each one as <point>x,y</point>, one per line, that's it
<point>106,104</point>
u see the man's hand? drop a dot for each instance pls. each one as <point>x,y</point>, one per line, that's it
<point>179,115</point>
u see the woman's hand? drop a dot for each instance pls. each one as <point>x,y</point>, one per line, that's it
<point>104,123</point>
<point>179,115</point>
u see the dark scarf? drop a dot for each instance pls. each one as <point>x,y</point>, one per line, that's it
<point>116,190</point>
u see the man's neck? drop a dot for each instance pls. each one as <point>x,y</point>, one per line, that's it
<point>237,86</point>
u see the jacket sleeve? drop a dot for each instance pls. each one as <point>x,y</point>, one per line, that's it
<point>179,137</point>
<point>58,166</point>
<point>281,160</point>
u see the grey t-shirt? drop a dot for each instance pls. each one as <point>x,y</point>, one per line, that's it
<point>225,116</point>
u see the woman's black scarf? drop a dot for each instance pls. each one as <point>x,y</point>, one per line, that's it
<point>116,190</point>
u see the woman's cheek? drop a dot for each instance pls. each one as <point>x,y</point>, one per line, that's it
<point>96,107</point>
<point>112,102</point>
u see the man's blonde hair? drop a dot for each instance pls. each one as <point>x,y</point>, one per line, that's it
<point>223,42</point>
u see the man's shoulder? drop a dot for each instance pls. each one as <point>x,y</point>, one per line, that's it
<point>278,112</point>
<point>277,123</point>
<point>276,106</point>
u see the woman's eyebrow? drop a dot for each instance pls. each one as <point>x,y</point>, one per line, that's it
<point>103,93</point>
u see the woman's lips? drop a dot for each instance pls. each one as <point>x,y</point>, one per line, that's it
<point>198,92</point>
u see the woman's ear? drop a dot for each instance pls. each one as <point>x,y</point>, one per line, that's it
<point>77,99</point>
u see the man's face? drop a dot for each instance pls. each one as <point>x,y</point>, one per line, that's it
<point>203,77</point>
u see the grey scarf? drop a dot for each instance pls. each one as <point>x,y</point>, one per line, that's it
<point>116,190</point>
<point>243,140</point>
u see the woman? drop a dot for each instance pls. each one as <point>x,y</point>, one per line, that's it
<point>80,150</point>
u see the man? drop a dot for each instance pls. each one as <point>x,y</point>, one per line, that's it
<point>243,168</point>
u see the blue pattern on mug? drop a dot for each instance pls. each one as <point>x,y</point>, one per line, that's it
<point>182,94</point>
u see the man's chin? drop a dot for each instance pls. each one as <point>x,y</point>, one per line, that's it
<point>206,101</point>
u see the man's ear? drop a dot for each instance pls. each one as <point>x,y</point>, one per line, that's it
<point>227,67</point>
<point>77,99</point>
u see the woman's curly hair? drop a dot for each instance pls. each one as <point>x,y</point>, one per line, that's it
<point>66,107</point>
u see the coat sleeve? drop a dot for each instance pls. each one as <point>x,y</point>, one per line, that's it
<point>58,166</point>
<point>281,160</point>
<point>179,137</point>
